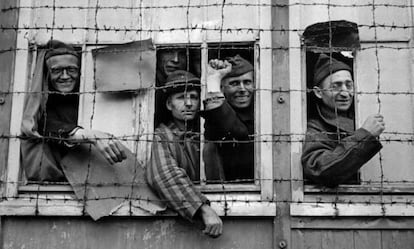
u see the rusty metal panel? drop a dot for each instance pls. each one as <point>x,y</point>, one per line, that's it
<point>128,233</point>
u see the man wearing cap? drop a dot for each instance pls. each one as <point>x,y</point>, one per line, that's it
<point>175,156</point>
<point>229,120</point>
<point>50,116</point>
<point>334,151</point>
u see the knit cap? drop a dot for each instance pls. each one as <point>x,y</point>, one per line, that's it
<point>326,66</point>
<point>55,47</point>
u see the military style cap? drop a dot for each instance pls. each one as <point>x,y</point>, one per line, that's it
<point>180,81</point>
<point>239,66</point>
<point>326,66</point>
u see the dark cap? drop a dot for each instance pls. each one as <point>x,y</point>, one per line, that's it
<point>239,66</point>
<point>180,81</point>
<point>326,66</point>
<point>55,47</point>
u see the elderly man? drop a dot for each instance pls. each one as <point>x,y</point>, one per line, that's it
<point>334,151</point>
<point>175,154</point>
<point>51,113</point>
<point>229,120</point>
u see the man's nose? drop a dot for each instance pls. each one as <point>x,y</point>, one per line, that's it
<point>175,57</point>
<point>242,86</point>
<point>188,101</point>
<point>344,90</point>
<point>64,74</point>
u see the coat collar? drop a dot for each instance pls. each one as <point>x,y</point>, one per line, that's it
<point>341,121</point>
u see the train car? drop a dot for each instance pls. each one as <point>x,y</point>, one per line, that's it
<point>119,45</point>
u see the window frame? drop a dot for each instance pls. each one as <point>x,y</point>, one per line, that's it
<point>59,200</point>
<point>346,200</point>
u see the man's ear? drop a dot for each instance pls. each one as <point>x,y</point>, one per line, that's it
<point>317,91</point>
<point>168,104</point>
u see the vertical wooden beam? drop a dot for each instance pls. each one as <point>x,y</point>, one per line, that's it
<point>8,35</point>
<point>281,121</point>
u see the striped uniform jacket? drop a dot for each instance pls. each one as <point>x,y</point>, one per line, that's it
<point>173,167</point>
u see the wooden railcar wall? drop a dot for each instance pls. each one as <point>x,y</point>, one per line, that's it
<point>395,68</point>
<point>126,232</point>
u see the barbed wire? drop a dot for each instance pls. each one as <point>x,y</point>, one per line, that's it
<point>384,188</point>
<point>228,4</point>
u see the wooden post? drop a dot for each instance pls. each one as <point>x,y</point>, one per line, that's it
<point>281,121</point>
<point>8,36</point>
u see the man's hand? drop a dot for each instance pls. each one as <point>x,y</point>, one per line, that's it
<point>216,71</point>
<point>374,124</point>
<point>106,144</point>
<point>213,223</point>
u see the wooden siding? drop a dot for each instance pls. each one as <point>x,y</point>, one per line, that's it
<point>352,239</point>
<point>112,233</point>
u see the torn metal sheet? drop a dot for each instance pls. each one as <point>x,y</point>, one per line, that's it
<point>123,67</point>
<point>104,187</point>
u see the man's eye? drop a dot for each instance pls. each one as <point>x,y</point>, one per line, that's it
<point>56,70</point>
<point>72,70</point>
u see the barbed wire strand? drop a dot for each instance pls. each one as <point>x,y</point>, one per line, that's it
<point>226,188</point>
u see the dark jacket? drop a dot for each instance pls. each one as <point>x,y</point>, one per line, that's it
<point>231,131</point>
<point>333,151</point>
<point>41,157</point>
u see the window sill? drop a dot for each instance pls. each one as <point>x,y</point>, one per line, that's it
<point>66,205</point>
<point>348,210</point>
<point>362,189</point>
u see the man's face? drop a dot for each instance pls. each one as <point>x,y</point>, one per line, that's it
<point>238,90</point>
<point>173,60</point>
<point>337,91</point>
<point>184,106</point>
<point>64,72</point>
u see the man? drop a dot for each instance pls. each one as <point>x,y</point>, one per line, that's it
<point>51,113</point>
<point>229,120</point>
<point>334,151</point>
<point>169,60</point>
<point>175,157</point>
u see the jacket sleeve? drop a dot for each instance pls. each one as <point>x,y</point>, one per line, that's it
<point>331,162</point>
<point>171,182</point>
<point>223,122</point>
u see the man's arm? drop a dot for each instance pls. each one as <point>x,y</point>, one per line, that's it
<point>106,143</point>
<point>175,188</point>
<point>331,162</point>
<point>221,119</point>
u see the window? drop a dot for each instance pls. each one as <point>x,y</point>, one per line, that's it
<point>376,190</point>
<point>198,31</point>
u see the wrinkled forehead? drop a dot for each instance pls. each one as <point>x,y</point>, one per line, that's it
<point>338,76</point>
<point>188,92</point>
<point>164,53</point>
<point>244,77</point>
<point>63,60</point>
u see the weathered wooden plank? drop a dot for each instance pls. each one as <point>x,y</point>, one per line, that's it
<point>361,199</point>
<point>281,120</point>
<point>352,223</point>
<point>366,239</point>
<point>339,209</point>
<point>397,239</point>
<point>8,19</point>
<point>376,188</point>
<point>60,232</point>
<point>332,239</point>
<point>58,205</point>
